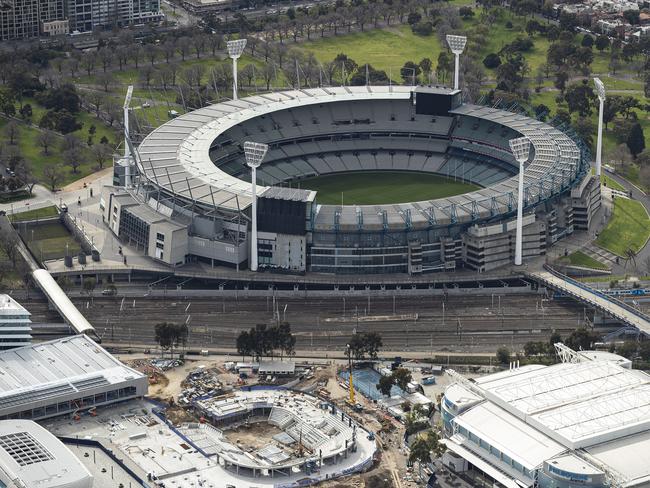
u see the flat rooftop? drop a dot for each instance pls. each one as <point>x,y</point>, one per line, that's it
<point>578,404</point>
<point>56,368</point>
<point>33,455</point>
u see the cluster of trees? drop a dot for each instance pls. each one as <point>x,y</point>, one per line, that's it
<point>364,345</point>
<point>262,341</point>
<point>399,377</point>
<point>170,335</point>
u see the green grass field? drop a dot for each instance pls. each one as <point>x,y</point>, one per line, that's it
<point>49,241</point>
<point>611,183</point>
<point>629,227</point>
<point>38,213</point>
<point>581,259</point>
<point>374,188</point>
<point>385,49</point>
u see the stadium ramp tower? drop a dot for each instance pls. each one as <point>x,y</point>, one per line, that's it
<point>611,306</point>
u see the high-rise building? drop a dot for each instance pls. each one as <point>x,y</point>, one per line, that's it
<point>22,19</point>
<point>15,324</point>
<point>85,15</point>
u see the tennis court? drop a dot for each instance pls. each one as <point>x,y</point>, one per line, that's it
<point>365,382</point>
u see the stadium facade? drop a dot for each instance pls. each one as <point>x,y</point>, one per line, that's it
<point>582,422</point>
<point>185,194</point>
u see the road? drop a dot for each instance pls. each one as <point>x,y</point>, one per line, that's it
<point>416,323</point>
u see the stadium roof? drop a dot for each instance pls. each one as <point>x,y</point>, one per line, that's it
<point>577,404</point>
<point>31,455</point>
<point>176,157</point>
<point>51,370</point>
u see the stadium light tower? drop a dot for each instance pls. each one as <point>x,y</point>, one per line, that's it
<point>600,88</point>
<point>235,50</point>
<point>520,148</point>
<point>457,45</point>
<point>255,153</point>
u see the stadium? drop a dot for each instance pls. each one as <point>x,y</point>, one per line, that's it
<point>581,422</point>
<point>371,179</point>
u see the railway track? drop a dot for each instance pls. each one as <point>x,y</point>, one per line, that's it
<point>476,323</point>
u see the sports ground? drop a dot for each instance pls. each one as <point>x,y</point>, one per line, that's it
<point>378,187</point>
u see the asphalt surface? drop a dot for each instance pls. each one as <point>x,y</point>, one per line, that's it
<point>476,323</point>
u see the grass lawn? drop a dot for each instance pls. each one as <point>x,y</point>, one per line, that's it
<point>385,49</point>
<point>629,227</point>
<point>377,187</point>
<point>611,183</point>
<point>38,213</point>
<point>49,241</point>
<point>579,258</point>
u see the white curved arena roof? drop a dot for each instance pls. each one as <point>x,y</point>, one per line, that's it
<point>176,157</point>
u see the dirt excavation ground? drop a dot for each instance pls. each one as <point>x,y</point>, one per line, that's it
<point>252,436</point>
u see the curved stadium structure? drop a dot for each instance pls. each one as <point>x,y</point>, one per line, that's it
<point>187,194</point>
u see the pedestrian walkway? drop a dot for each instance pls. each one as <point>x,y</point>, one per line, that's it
<point>613,307</point>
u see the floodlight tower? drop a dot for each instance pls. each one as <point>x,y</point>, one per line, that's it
<point>127,151</point>
<point>520,148</point>
<point>600,88</point>
<point>235,50</point>
<point>457,45</point>
<point>255,153</point>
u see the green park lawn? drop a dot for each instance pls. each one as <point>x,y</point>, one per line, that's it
<point>581,259</point>
<point>375,187</point>
<point>385,49</point>
<point>629,227</point>
<point>611,183</point>
<point>38,213</point>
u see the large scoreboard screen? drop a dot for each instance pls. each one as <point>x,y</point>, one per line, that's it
<point>435,101</point>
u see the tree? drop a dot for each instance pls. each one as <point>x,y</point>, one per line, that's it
<point>402,377</point>
<point>89,285</point>
<point>365,345</point>
<point>45,139</point>
<point>587,41</point>
<point>636,139</point>
<point>581,339</point>
<point>12,131</point>
<point>26,111</point>
<point>503,355</point>
<point>424,447</point>
<point>9,244</point>
<point>579,98</point>
<point>102,154</point>
<point>466,12</point>
<point>170,335</point>
<point>73,158</point>
<point>25,174</point>
<point>385,384</point>
<point>602,43</point>
<point>244,344</point>
<point>53,175</point>
<point>492,61</point>
<point>632,16</point>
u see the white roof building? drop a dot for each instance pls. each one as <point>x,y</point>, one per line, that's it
<point>62,376</point>
<point>15,324</point>
<point>31,457</point>
<point>585,420</point>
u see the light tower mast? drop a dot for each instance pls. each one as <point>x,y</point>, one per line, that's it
<point>235,50</point>
<point>254,152</point>
<point>520,148</point>
<point>600,88</point>
<point>457,46</point>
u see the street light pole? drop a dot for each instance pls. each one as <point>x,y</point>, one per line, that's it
<point>254,153</point>
<point>235,50</point>
<point>520,148</point>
